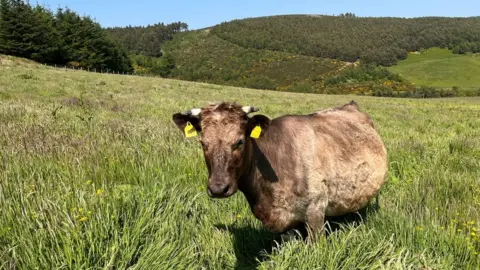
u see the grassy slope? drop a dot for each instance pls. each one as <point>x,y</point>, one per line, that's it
<point>202,56</point>
<point>441,68</point>
<point>125,188</point>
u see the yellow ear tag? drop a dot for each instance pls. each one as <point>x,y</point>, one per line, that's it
<point>256,132</point>
<point>190,131</point>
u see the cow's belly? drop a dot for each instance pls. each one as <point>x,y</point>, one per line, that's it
<point>353,191</point>
<point>277,219</point>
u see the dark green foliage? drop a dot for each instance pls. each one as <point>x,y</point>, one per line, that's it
<point>63,38</point>
<point>147,40</point>
<point>87,45</point>
<point>422,92</point>
<point>16,28</point>
<point>372,40</point>
<point>162,66</point>
<point>467,47</point>
<point>46,40</point>
<point>27,31</point>
<point>363,73</point>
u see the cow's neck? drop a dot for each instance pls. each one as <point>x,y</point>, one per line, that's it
<point>257,175</point>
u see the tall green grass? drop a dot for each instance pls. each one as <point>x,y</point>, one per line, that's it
<point>94,175</point>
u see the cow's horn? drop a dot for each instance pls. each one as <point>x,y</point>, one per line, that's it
<point>249,109</point>
<point>193,112</point>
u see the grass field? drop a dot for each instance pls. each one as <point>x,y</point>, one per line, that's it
<point>441,68</point>
<point>95,175</point>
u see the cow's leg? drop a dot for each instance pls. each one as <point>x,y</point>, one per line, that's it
<point>316,218</point>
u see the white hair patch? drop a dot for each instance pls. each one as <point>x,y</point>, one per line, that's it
<point>195,112</point>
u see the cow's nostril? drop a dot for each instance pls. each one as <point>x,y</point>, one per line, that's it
<point>226,189</point>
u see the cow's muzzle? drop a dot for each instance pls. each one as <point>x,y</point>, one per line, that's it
<point>219,190</point>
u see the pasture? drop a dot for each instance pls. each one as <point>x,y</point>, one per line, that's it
<point>95,175</point>
<point>441,68</point>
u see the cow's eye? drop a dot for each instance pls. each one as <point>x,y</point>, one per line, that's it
<point>236,145</point>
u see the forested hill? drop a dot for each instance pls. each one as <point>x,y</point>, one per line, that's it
<point>349,38</point>
<point>300,53</point>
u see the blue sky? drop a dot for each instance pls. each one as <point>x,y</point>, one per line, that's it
<point>199,14</point>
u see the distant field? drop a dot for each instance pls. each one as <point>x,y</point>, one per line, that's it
<point>441,68</point>
<point>95,175</point>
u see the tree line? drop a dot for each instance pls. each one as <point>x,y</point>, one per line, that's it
<point>146,40</point>
<point>145,45</point>
<point>63,37</point>
<point>347,37</point>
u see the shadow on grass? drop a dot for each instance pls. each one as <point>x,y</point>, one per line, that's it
<point>253,245</point>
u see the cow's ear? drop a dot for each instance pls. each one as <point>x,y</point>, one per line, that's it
<point>181,120</point>
<point>258,120</point>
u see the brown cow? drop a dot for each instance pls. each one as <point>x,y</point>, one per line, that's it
<point>301,168</point>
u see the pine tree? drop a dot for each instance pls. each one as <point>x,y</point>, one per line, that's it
<point>46,43</point>
<point>5,26</point>
<point>13,28</point>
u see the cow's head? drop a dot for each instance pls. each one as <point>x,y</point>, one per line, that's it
<point>225,137</point>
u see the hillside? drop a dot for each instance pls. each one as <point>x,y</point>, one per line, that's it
<point>441,68</point>
<point>348,38</point>
<point>201,56</point>
<point>298,53</point>
<point>95,175</point>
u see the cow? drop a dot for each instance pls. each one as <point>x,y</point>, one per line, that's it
<point>297,169</point>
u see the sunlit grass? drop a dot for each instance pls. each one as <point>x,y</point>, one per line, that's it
<point>94,174</point>
<point>441,68</point>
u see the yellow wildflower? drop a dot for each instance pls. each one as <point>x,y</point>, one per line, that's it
<point>100,191</point>
<point>84,219</point>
